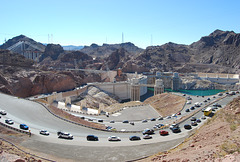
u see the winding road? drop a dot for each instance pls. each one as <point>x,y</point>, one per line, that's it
<point>79,149</point>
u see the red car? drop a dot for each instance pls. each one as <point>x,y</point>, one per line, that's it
<point>163,132</point>
<point>179,113</point>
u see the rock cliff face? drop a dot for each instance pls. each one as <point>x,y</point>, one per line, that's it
<point>20,77</point>
<point>52,51</point>
<point>55,57</point>
<point>218,52</point>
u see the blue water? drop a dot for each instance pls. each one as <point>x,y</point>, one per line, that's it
<point>209,92</point>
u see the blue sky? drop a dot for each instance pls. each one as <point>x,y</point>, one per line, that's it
<point>77,22</point>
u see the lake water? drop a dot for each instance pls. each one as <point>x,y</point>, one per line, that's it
<point>209,92</point>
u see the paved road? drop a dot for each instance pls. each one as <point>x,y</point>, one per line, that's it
<point>37,117</point>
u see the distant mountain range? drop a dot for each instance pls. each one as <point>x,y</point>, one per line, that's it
<point>217,52</point>
<point>72,48</point>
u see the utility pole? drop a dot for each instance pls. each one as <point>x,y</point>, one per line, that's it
<point>122,38</point>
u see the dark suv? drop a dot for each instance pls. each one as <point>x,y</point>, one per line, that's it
<point>92,138</point>
<point>148,131</point>
<point>133,138</point>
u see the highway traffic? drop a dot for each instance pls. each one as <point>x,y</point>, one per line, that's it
<point>37,118</point>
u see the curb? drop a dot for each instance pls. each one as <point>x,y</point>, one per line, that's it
<point>16,129</point>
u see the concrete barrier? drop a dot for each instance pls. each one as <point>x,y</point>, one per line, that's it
<point>16,129</point>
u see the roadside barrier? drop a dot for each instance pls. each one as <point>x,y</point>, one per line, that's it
<point>25,151</point>
<point>69,121</point>
<point>16,129</point>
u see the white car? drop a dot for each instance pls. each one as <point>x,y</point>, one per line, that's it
<point>189,102</point>
<point>44,132</point>
<point>3,112</point>
<point>147,136</point>
<point>9,121</point>
<point>65,135</point>
<point>173,126</point>
<point>114,138</point>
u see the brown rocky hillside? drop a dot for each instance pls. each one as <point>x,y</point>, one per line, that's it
<point>217,52</point>
<point>166,103</point>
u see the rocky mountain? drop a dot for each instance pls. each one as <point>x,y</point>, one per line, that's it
<point>217,52</point>
<point>106,49</point>
<point>116,59</point>
<point>16,39</point>
<point>21,77</point>
<point>56,57</point>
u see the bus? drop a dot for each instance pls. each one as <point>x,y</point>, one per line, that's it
<point>207,111</point>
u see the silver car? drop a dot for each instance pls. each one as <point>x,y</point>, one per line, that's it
<point>44,132</point>
<point>65,135</point>
<point>114,138</point>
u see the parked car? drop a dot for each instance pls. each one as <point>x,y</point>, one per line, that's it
<point>203,117</point>
<point>100,120</point>
<point>133,138</point>
<point>187,126</point>
<point>92,138</point>
<point>208,99</point>
<point>144,121</point>
<point>90,119</point>
<point>44,132</point>
<point>132,123</point>
<point>168,117</point>
<point>187,110</point>
<point>160,118</point>
<point>114,138</point>
<point>176,130</point>
<point>194,123</point>
<point>64,135</point>
<point>153,119</point>
<point>174,126</point>
<point>24,126</point>
<point>189,102</point>
<point>217,105</point>
<point>9,121</point>
<point>125,121</point>
<point>148,131</point>
<point>198,120</point>
<point>112,121</point>
<point>192,108</point>
<point>193,118</point>
<point>3,112</point>
<point>179,113</point>
<point>189,98</point>
<point>159,125</point>
<point>163,132</point>
<point>109,128</point>
<point>147,136</point>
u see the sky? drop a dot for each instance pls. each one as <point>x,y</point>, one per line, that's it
<point>142,22</point>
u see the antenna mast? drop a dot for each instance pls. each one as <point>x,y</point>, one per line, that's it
<point>122,38</point>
